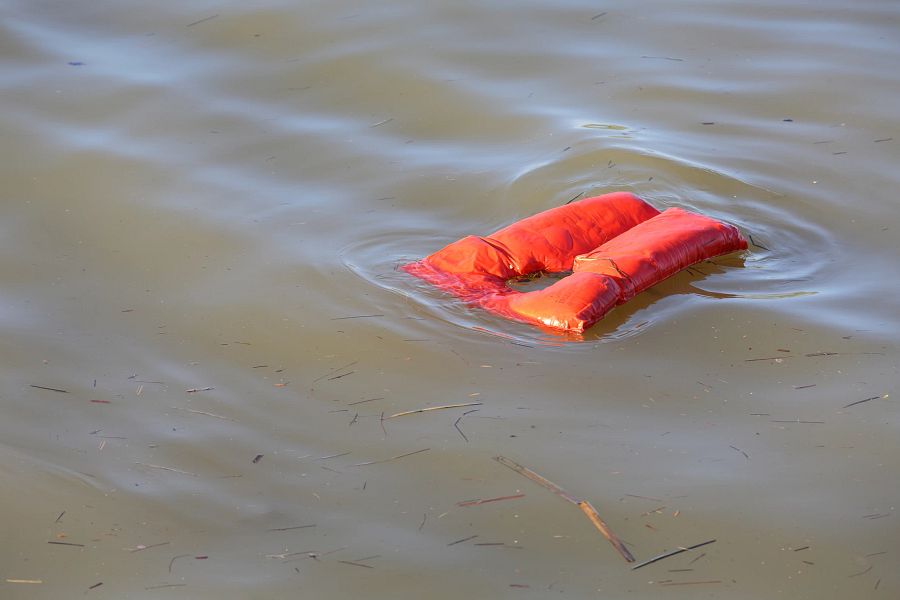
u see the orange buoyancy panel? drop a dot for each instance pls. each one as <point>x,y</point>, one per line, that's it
<point>547,241</point>
<point>550,240</point>
<point>573,303</point>
<point>616,244</point>
<point>658,248</point>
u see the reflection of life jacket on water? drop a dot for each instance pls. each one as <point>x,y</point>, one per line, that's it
<point>616,246</point>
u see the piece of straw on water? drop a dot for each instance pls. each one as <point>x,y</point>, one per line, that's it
<point>586,507</point>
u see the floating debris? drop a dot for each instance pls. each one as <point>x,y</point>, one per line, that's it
<point>675,552</point>
<point>375,462</point>
<point>430,408</point>
<point>51,389</point>
<point>487,500</point>
<point>586,507</point>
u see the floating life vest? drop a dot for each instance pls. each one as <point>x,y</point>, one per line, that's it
<point>616,246</point>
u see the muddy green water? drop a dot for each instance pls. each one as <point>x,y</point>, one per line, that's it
<point>197,197</point>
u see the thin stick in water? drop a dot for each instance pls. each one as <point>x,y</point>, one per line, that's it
<point>861,401</point>
<point>588,509</point>
<point>660,557</point>
<point>162,468</point>
<point>487,500</point>
<point>375,462</point>
<point>471,537</point>
<point>333,371</point>
<point>430,408</point>
<point>52,389</point>
<point>546,483</point>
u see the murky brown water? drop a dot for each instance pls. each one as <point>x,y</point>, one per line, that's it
<point>198,197</point>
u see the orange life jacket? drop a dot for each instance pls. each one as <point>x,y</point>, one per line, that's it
<point>616,245</point>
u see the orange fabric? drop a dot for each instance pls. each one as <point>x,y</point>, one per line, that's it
<point>658,248</point>
<point>573,303</point>
<point>616,244</point>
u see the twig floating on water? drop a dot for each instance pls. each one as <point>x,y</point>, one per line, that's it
<point>655,510</point>
<point>140,547</point>
<point>487,500</point>
<point>338,370</point>
<point>862,572</point>
<point>757,245</point>
<point>201,412</point>
<point>456,425</point>
<point>204,20</point>
<point>575,197</point>
<point>291,528</point>
<point>697,558</point>
<point>355,564</point>
<point>861,401</point>
<point>195,390</point>
<point>59,517</point>
<point>174,558</point>
<point>96,585</point>
<point>355,317</point>
<point>375,462</point>
<point>52,389</point>
<point>586,507</point>
<point>165,585</point>
<point>665,58</point>
<point>67,544</point>
<point>546,483</point>
<point>363,401</point>
<point>660,557</point>
<point>644,497</point>
<point>335,455</point>
<point>149,466</point>
<point>24,581</point>
<point>747,456</point>
<point>341,375</point>
<point>365,558</point>
<point>430,408</point>
<point>471,537</point>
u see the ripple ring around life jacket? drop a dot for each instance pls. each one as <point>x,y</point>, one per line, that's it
<point>616,246</point>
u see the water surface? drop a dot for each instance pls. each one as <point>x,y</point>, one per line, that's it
<point>204,207</point>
